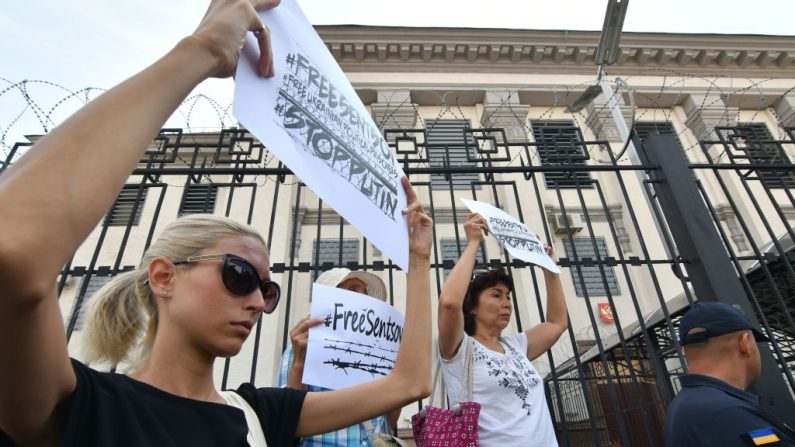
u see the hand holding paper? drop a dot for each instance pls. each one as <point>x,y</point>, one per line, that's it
<point>312,119</point>
<point>512,234</point>
<point>420,226</point>
<point>299,337</point>
<point>219,32</point>
<point>475,227</point>
<point>357,341</point>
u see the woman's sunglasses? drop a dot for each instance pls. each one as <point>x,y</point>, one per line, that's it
<point>241,278</point>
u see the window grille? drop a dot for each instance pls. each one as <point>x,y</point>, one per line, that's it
<point>198,198</point>
<point>558,144</point>
<point>448,248</point>
<point>329,251</point>
<point>122,209</point>
<point>592,276</point>
<point>447,141</point>
<point>756,141</point>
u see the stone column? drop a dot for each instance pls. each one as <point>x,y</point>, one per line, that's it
<point>601,121</point>
<point>785,109</point>
<point>394,110</point>
<point>705,112</point>
<point>501,108</point>
<point>725,214</point>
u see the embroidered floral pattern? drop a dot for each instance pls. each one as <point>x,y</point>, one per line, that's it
<point>512,371</point>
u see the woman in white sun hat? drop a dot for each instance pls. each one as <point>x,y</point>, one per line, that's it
<point>292,364</point>
<point>360,282</point>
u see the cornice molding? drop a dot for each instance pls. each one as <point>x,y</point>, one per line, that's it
<point>397,49</point>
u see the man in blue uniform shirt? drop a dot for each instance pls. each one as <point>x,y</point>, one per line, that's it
<point>713,408</point>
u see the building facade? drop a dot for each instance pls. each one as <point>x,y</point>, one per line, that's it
<point>488,114</point>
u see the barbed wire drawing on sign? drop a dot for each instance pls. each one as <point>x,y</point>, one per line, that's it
<point>372,362</point>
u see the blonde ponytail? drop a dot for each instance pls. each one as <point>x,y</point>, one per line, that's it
<point>121,320</point>
<point>116,317</point>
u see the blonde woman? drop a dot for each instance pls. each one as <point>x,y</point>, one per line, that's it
<point>194,297</point>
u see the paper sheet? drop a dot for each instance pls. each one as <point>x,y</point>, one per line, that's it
<point>357,342</point>
<point>311,118</point>
<point>513,235</point>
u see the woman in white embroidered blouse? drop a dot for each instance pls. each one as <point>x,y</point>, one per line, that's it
<point>505,383</point>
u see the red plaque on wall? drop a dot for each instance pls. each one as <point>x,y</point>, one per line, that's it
<point>605,312</point>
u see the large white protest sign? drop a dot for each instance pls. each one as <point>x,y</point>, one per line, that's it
<point>309,115</point>
<point>514,235</point>
<point>357,342</point>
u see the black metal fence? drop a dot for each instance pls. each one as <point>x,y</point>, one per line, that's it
<point>627,273</point>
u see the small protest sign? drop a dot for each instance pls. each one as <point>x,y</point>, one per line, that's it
<point>513,235</point>
<point>357,342</point>
<point>312,119</point>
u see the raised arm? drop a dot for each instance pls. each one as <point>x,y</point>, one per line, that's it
<point>53,197</point>
<point>451,320</point>
<point>410,380</point>
<point>542,336</point>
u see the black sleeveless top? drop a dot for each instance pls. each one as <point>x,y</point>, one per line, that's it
<point>108,409</point>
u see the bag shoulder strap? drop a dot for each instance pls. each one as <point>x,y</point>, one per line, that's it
<point>468,369</point>
<point>436,369</point>
<point>256,437</point>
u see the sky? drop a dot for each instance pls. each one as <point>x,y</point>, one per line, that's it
<point>78,44</point>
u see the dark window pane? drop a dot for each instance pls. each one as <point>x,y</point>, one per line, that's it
<point>592,280</point>
<point>198,199</point>
<point>447,141</point>
<point>450,251</point>
<point>329,251</point>
<point>757,142</point>
<point>558,143</point>
<point>122,209</point>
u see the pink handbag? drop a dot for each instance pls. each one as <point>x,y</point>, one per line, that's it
<point>434,426</point>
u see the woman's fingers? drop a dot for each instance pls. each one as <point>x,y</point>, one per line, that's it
<point>262,5</point>
<point>263,35</point>
<point>416,206</point>
<point>299,335</point>
<point>550,252</point>
<point>305,323</point>
<point>299,323</point>
<point>476,226</point>
<point>265,65</point>
<point>482,223</point>
<point>312,322</point>
<point>411,196</point>
<point>418,223</point>
<point>223,30</point>
<point>414,209</point>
